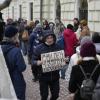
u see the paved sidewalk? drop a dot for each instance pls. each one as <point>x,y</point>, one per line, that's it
<point>32,89</point>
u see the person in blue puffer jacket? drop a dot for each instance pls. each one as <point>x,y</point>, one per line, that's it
<point>47,79</point>
<point>14,60</point>
<point>34,40</point>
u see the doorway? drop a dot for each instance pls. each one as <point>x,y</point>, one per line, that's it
<point>83,10</point>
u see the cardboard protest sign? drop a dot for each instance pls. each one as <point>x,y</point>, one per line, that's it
<point>6,87</point>
<point>53,61</point>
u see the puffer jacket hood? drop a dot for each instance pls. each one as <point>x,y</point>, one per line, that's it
<point>7,47</point>
<point>49,33</point>
<point>38,29</point>
<point>68,32</point>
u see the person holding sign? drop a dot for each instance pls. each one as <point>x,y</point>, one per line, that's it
<point>47,78</point>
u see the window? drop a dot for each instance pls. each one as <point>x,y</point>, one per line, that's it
<point>83,11</point>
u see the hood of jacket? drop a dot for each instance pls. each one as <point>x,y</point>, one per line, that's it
<point>68,32</point>
<point>7,46</point>
<point>49,33</point>
<point>38,29</point>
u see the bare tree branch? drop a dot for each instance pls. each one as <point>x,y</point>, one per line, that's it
<point>5,4</point>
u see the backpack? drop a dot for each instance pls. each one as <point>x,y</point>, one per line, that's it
<point>25,35</point>
<point>88,85</point>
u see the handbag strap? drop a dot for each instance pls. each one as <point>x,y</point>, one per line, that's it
<point>83,71</point>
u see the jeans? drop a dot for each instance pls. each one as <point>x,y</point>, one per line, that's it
<point>63,71</point>
<point>24,47</point>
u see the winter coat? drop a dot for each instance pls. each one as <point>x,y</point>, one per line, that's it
<point>34,40</point>
<point>16,66</point>
<point>70,41</point>
<point>76,27</point>
<point>77,76</point>
<point>44,48</point>
<point>60,41</point>
<point>74,60</point>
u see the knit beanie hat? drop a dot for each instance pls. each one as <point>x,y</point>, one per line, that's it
<point>10,31</point>
<point>88,50</point>
<point>48,33</point>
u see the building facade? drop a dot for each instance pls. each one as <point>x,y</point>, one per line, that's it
<point>45,9</point>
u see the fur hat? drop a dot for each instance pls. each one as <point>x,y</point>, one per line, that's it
<point>10,31</point>
<point>88,50</point>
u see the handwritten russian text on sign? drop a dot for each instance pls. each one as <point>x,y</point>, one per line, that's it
<point>53,61</point>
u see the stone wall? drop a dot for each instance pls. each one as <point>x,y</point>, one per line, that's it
<point>69,10</point>
<point>94,15</point>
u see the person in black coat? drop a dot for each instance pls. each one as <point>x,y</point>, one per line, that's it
<point>14,60</point>
<point>88,63</point>
<point>34,40</point>
<point>47,79</point>
<point>76,24</point>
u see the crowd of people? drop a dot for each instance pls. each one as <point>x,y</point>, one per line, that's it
<point>31,39</point>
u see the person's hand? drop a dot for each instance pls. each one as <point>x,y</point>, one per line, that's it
<point>39,62</point>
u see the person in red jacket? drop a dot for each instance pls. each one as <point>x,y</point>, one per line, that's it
<point>70,41</point>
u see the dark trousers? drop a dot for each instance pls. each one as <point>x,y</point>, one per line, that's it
<point>20,91</point>
<point>34,71</point>
<point>54,89</point>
